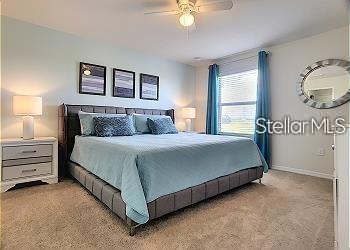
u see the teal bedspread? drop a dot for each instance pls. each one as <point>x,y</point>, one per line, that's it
<point>146,167</point>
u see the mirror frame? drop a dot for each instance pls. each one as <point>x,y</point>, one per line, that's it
<point>324,63</point>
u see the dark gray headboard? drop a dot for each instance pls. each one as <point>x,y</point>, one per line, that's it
<point>69,125</point>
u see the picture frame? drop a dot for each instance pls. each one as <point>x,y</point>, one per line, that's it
<point>123,83</point>
<point>149,87</point>
<point>92,79</point>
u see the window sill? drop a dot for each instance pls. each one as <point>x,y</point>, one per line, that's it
<point>240,135</point>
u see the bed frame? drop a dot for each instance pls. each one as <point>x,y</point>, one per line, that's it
<point>69,127</point>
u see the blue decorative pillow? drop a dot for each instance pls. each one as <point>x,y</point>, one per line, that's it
<point>141,124</point>
<point>162,126</point>
<point>87,121</point>
<point>114,126</point>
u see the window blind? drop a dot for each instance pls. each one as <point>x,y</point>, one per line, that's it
<point>237,66</point>
<point>237,102</point>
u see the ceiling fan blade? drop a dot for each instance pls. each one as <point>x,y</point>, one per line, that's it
<point>163,13</point>
<point>216,6</point>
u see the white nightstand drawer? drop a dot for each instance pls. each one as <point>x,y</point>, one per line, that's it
<point>17,152</point>
<point>15,172</point>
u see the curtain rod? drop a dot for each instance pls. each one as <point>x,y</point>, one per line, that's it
<point>245,58</point>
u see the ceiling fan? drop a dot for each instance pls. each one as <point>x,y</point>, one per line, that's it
<point>186,8</point>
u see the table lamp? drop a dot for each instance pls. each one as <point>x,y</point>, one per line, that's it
<point>27,106</point>
<point>189,114</point>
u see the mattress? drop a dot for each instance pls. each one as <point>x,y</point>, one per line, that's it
<point>146,167</point>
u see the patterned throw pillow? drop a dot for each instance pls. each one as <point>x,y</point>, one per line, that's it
<point>162,126</point>
<point>87,121</point>
<point>114,126</point>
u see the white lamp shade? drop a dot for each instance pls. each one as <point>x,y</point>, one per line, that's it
<point>27,105</point>
<point>189,113</point>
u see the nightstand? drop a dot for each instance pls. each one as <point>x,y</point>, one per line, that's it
<point>28,160</point>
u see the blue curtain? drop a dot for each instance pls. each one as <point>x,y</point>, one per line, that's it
<point>213,102</point>
<point>263,106</point>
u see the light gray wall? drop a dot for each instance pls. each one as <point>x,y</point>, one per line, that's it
<point>40,61</point>
<point>287,61</point>
<point>201,97</point>
<point>343,166</point>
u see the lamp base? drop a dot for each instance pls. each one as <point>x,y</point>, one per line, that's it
<point>188,125</point>
<point>28,127</point>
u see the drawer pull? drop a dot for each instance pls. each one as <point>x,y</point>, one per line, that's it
<point>28,151</point>
<point>28,170</point>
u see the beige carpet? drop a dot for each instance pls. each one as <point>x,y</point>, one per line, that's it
<point>288,211</point>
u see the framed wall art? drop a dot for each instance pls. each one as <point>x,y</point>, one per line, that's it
<point>92,79</point>
<point>123,83</point>
<point>149,87</point>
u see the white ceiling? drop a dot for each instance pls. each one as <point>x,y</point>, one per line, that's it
<point>250,24</point>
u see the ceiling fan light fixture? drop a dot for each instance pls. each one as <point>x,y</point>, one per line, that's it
<point>186,19</point>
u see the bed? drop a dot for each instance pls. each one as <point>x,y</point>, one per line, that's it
<point>143,177</point>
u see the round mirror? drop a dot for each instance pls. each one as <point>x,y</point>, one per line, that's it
<point>325,84</point>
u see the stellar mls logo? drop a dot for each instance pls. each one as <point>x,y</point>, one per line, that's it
<point>298,127</point>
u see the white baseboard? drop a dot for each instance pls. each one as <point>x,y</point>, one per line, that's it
<point>302,171</point>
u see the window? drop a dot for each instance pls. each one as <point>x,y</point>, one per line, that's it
<point>237,103</point>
